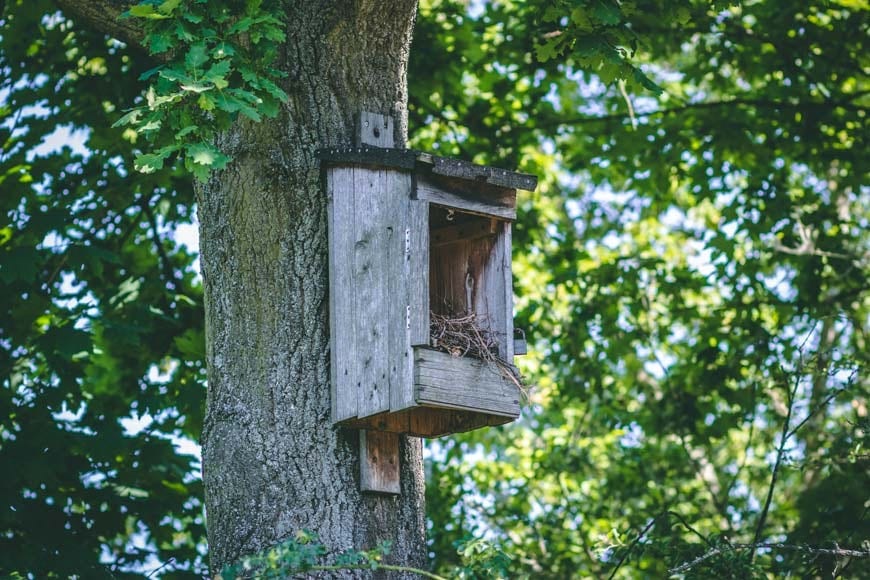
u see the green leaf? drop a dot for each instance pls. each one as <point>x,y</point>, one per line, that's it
<point>206,154</point>
<point>186,131</point>
<point>606,12</point>
<point>196,56</point>
<point>146,11</point>
<point>169,6</point>
<point>130,118</point>
<point>160,42</point>
<point>197,87</point>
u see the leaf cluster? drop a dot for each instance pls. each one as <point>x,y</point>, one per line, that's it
<point>220,65</point>
<point>101,327</point>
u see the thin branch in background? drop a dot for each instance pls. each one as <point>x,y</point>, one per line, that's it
<point>625,96</point>
<point>690,528</point>
<point>748,103</point>
<point>165,263</point>
<point>791,393</point>
<point>835,551</point>
<point>162,566</point>
<point>631,547</point>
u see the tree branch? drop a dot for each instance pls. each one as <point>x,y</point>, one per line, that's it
<point>835,551</point>
<point>104,16</point>
<point>738,102</point>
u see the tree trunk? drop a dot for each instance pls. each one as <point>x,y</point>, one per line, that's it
<point>272,462</point>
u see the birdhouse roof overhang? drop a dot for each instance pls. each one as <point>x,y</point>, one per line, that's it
<point>450,182</point>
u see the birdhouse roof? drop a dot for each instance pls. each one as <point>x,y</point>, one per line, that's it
<point>420,162</point>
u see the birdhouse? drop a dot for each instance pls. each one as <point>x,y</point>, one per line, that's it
<point>414,240</point>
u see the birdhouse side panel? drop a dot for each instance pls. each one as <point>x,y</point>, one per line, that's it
<point>340,203</point>
<point>417,271</point>
<point>401,281</point>
<point>374,231</point>
<point>497,300</point>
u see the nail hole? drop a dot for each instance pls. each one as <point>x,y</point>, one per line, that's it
<point>377,133</point>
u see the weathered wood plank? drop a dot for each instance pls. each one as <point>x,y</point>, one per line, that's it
<point>400,281</point>
<point>417,272</point>
<point>380,155</point>
<point>374,129</point>
<point>463,383</point>
<point>472,230</point>
<point>379,462</point>
<point>341,292</point>
<point>506,241</point>
<point>460,169</point>
<point>371,299</point>
<point>428,190</point>
<point>488,257</point>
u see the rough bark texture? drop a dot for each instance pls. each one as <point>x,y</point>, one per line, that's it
<point>272,463</point>
<point>104,15</point>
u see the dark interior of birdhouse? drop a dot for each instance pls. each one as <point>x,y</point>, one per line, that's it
<point>468,282</point>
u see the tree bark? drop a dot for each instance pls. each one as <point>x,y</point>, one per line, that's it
<point>272,462</point>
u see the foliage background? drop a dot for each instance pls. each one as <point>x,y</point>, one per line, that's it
<point>692,273</point>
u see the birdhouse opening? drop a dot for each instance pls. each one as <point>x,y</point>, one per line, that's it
<point>469,284</point>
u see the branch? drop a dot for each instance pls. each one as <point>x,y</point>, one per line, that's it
<point>748,103</point>
<point>835,551</point>
<point>791,393</point>
<point>104,16</point>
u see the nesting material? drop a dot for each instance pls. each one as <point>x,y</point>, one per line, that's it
<point>467,336</point>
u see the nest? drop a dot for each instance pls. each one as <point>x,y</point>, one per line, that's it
<point>466,336</point>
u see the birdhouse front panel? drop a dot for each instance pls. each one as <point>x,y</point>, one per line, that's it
<point>420,292</point>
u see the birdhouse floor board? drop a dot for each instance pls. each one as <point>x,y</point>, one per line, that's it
<point>428,422</point>
<point>446,381</point>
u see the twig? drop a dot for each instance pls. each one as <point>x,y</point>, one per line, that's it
<point>164,565</point>
<point>464,336</point>
<point>631,546</point>
<point>791,392</point>
<point>835,551</point>
<point>389,567</point>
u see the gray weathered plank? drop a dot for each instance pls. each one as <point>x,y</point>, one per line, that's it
<point>497,300</point>
<point>379,462</point>
<point>399,280</point>
<point>371,239</point>
<point>507,267</point>
<point>380,155</point>
<point>460,169</point>
<point>478,228</point>
<point>374,129</point>
<point>417,271</point>
<point>428,190</point>
<point>463,383</point>
<point>341,292</point>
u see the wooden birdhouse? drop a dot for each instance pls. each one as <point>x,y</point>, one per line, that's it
<point>415,241</point>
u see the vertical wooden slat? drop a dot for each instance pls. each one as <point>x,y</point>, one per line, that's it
<point>371,292</point>
<point>379,462</point>
<point>400,282</point>
<point>493,299</point>
<point>506,241</point>
<point>417,271</point>
<point>341,291</point>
